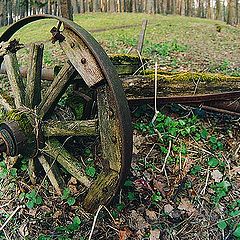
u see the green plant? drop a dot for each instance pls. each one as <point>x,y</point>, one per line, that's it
<point>221,189</point>
<point>33,199</point>
<point>4,172</point>
<point>67,197</point>
<point>164,49</point>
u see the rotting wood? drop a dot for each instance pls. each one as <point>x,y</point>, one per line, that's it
<point>52,173</point>
<point>110,132</point>
<point>54,92</point>
<point>33,93</point>
<point>33,86</point>
<point>101,191</point>
<point>179,84</point>
<point>15,79</point>
<point>81,58</point>
<point>70,128</point>
<point>57,152</point>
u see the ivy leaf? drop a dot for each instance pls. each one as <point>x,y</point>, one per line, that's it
<point>66,193</point>
<point>236,233</point>
<point>213,162</point>
<point>71,201</point>
<point>39,200</point>
<point>76,220</point>
<point>90,171</point>
<point>131,196</point>
<point>13,172</point>
<point>30,204</point>
<point>128,183</point>
<point>222,225</point>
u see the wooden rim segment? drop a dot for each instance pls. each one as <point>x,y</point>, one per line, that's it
<point>113,125</point>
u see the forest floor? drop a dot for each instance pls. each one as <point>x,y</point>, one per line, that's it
<point>185,173</point>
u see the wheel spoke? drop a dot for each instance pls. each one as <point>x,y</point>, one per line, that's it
<point>33,88</point>
<point>56,89</point>
<point>56,150</point>
<point>18,88</point>
<point>53,173</point>
<point>70,128</point>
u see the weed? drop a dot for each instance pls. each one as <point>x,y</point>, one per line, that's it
<point>68,197</point>
<point>32,197</point>
<point>164,49</point>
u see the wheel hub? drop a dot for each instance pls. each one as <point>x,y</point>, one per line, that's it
<point>19,136</point>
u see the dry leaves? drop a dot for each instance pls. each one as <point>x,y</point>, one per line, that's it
<point>155,234</point>
<point>137,221</point>
<point>187,206</point>
<point>151,215</point>
<point>216,175</point>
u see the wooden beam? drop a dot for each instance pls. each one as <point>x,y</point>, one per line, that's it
<point>70,128</point>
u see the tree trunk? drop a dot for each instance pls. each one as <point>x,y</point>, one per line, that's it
<point>10,12</point>
<point>230,12</point>
<point>96,6</point>
<point>209,10</point>
<point>151,6</point>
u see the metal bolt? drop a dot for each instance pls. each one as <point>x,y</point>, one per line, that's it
<point>83,60</point>
<point>72,45</point>
<point>114,139</point>
<point>111,113</point>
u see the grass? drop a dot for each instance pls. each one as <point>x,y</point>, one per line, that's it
<point>183,183</point>
<point>190,33</point>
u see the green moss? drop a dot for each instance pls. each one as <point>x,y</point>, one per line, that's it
<point>23,119</point>
<point>192,76</point>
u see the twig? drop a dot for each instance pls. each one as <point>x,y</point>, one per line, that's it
<point>168,153</point>
<point>145,159</point>
<point>10,217</point>
<point>155,95</point>
<point>94,221</point>
<point>196,86</point>
<point>206,183</point>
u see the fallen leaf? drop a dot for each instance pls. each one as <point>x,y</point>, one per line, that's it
<point>57,214</point>
<point>187,206</point>
<point>154,234</point>
<point>216,175</point>
<point>124,234</point>
<point>137,222</point>
<point>168,208</point>
<point>151,215</point>
<point>23,230</point>
<point>137,142</point>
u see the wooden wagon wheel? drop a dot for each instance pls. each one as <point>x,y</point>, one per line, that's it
<point>28,128</point>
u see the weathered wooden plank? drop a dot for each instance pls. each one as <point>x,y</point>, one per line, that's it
<point>81,58</point>
<point>33,87</point>
<point>178,84</point>
<point>52,173</point>
<point>54,92</point>
<point>56,150</point>
<point>18,88</point>
<point>70,128</point>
